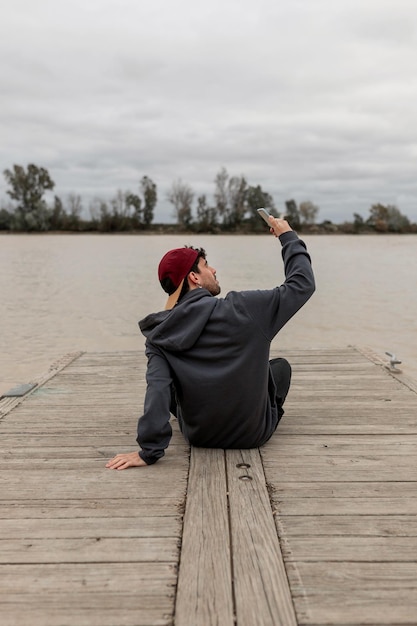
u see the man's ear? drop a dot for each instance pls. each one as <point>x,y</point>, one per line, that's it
<point>193,280</point>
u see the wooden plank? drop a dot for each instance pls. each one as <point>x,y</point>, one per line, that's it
<point>346,525</point>
<point>91,549</point>
<point>91,527</point>
<point>332,360</point>
<point>363,399</point>
<point>260,592</point>
<point>349,490</point>
<point>344,468</point>
<point>345,445</point>
<point>344,498</point>
<point>205,583</point>
<point>90,594</point>
<point>204,593</point>
<point>67,610</point>
<point>117,578</point>
<point>338,506</point>
<point>261,587</point>
<point>105,508</point>
<point>355,593</point>
<point>38,442</point>
<point>11,456</point>
<point>7,404</point>
<point>80,544</point>
<point>360,548</point>
<point>351,548</point>
<point>89,483</point>
<point>86,610</point>
<point>365,425</point>
<point>345,502</point>
<point>59,455</point>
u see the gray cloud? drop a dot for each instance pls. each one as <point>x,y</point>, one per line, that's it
<point>310,98</point>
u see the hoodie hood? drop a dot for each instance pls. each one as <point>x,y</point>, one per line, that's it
<point>179,328</point>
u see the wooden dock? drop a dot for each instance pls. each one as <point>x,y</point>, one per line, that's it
<point>318,527</point>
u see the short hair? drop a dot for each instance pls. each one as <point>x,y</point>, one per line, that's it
<point>201,254</point>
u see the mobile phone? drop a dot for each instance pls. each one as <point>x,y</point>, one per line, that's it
<point>265,215</point>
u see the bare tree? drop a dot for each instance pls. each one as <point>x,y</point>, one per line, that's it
<point>221,193</point>
<point>206,215</point>
<point>230,197</point>
<point>308,212</point>
<point>292,214</point>
<point>181,196</point>
<point>150,198</point>
<point>237,192</point>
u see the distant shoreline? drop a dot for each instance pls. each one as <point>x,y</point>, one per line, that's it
<point>173,230</point>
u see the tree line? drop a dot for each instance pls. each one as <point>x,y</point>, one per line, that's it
<point>232,209</point>
<point>30,212</point>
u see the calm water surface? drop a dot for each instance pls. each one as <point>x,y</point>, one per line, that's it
<point>61,293</point>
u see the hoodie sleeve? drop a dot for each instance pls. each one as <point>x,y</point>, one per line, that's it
<point>154,429</point>
<point>271,309</point>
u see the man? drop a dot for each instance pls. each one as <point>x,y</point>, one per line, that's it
<point>208,357</point>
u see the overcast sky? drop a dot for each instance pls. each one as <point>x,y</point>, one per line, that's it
<point>313,99</point>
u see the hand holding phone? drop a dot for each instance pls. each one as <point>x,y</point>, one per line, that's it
<point>265,215</point>
<point>278,227</point>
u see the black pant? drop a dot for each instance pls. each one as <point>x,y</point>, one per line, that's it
<point>281,373</point>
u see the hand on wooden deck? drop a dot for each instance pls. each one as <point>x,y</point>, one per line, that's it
<point>125,460</point>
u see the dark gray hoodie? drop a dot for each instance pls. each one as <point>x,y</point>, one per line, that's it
<point>216,352</point>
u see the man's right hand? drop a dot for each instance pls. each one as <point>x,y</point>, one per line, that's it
<point>278,226</point>
<point>125,460</point>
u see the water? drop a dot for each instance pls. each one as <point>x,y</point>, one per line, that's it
<point>62,293</point>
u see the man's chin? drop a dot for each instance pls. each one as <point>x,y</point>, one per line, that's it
<point>214,290</point>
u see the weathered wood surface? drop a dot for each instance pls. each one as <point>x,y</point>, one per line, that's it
<point>318,527</point>
<point>343,482</point>
<point>231,569</point>
<point>8,403</point>
<point>261,587</point>
<point>205,594</point>
<point>81,544</point>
